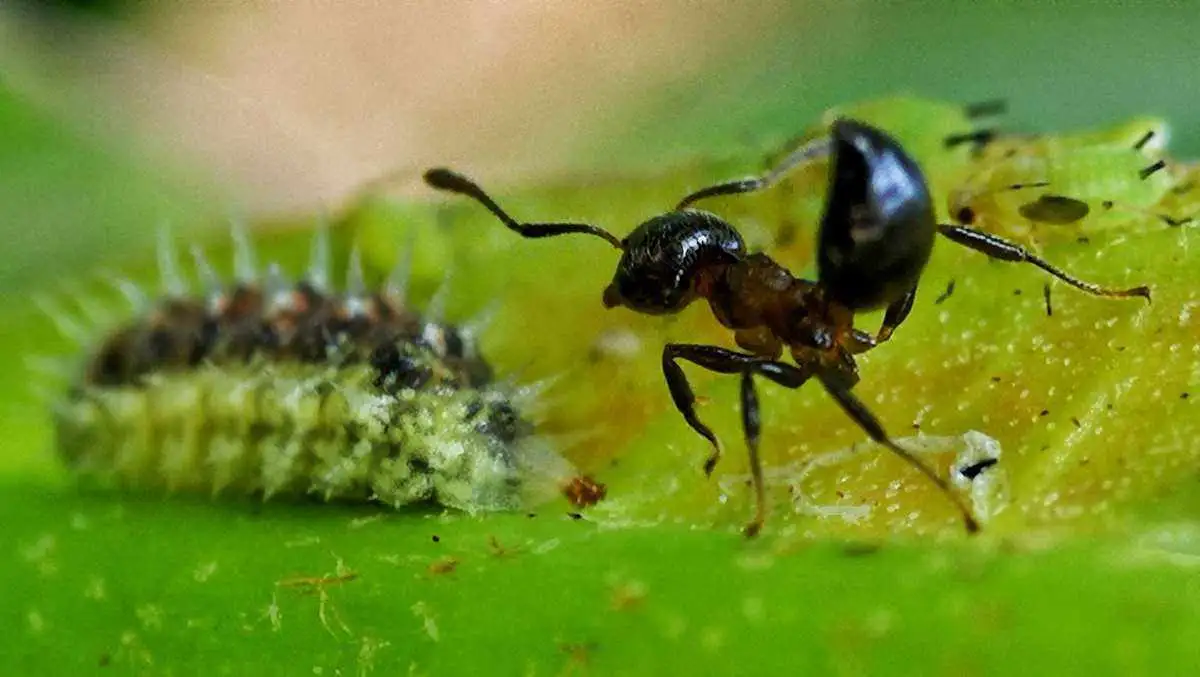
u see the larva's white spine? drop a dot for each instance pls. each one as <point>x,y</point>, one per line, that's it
<point>173,283</point>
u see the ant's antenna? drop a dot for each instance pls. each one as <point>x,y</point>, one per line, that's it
<point>449,180</point>
<point>816,148</point>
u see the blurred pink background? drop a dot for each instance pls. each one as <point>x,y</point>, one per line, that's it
<point>292,105</point>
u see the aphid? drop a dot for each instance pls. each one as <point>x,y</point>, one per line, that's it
<point>1027,194</point>
<point>265,387</point>
<point>876,236</point>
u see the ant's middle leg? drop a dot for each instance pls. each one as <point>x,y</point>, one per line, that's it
<point>724,361</point>
<point>1005,250</point>
<point>813,149</point>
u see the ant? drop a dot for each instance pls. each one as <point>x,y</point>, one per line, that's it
<point>876,236</point>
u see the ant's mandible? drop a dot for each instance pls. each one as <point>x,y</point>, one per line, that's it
<point>876,236</point>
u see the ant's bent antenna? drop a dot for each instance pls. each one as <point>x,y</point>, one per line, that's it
<point>449,180</point>
<point>817,148</point>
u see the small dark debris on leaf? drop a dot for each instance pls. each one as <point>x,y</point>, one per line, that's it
<point>584,491</point>
<point>444,565</point>
<point>945,295</point>
<point>1076,422</point>
<point>437,539</point>
<point>975,469</point>
<point>498,549</point>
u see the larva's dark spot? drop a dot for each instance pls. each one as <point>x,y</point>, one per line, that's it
<point>1056,210</point>
<point>271,388</point>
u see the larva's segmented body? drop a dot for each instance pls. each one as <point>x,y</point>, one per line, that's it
<point>278,389</point>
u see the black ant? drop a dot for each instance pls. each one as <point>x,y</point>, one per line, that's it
<point>876,236</point>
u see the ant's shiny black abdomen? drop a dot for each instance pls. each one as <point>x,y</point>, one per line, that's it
<point>878,228</point>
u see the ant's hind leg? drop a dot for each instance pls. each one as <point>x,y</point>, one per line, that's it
<point>1006,250</point>
<point>858,411</point>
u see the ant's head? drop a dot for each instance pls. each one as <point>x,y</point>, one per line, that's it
<point>663,259</point>
<point>878,228</point>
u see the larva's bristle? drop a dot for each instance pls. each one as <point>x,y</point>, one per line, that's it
<point>319,273</point>
<point>356,286</point>
<point>435,312</point>
<point>63,321</point>
<point>396,288</point>
<point>210,282</point>
<point>93,312</point>
<point>173,283</point>
<point>245,267</point>
<point>132,293</point>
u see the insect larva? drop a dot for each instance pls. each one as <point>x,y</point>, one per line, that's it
<point>273,388</point>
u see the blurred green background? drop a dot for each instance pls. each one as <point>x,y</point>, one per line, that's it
<point>97,148</point>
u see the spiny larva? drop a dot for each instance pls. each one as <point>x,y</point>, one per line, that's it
<point>267,387</point>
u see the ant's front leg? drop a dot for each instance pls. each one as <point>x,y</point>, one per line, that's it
<point>724,361</point>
